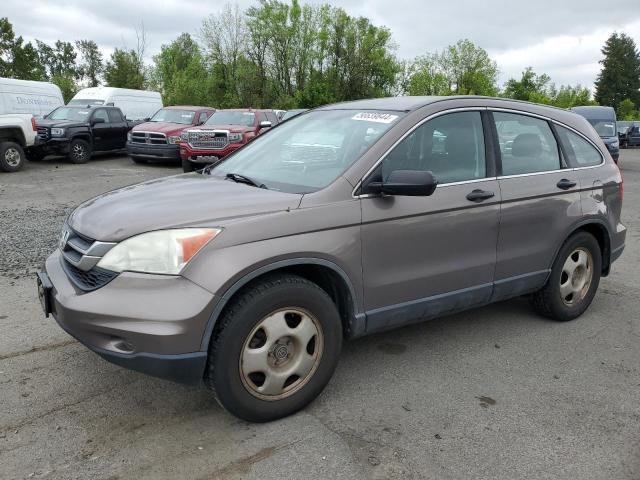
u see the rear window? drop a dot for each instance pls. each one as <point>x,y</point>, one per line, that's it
<point>579,151</point>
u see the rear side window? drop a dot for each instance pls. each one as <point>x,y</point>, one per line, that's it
<point>451,146</point>
<point>272,117</point>
<point>114,116</point>
<point>101,113</point>
<point>527,144</point>
<point>202,118</point>
<point>580,152</point>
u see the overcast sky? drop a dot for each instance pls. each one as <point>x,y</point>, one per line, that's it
<point>562,38</point>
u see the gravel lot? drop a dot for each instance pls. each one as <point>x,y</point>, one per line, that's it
<point>495,393</point>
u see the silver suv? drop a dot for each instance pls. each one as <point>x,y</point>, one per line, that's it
<point>343,221</point>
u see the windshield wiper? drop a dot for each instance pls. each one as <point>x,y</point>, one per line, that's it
<point>238,178</point>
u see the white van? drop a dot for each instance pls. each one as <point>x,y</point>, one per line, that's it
<point>26,96</point>
<point>135,104</point>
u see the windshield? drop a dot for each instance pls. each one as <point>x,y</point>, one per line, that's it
<point>85,102</point>
<point>69,113</point>
<point>291,113</point>
<point>170,115</point>
<point>229,117</point>
<point>605,128</point>
<point>307,153</point>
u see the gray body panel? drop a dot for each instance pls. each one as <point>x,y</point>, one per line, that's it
<point>401,259</point>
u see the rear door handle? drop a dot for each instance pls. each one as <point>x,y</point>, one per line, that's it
<point>566,184</point>
<point>479,195</point>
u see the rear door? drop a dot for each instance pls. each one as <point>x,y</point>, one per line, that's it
<point>425,256</point>
<point>540,199</point>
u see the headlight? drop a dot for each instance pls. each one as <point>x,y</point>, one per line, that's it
<point>128,136</point>
<point>174,139</point>
<point>162,251</point>
<point>235,137</point>
<point>184,136</point>
<point>57,132</point>
<point>615,144</point>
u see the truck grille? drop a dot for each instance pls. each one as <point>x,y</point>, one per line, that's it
<point>149,138</point>
<point>80,258</point>
<point>43,133</point>
<point>208,139</point>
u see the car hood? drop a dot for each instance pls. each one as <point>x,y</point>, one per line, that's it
<point>173,202</point>
<point>161,127</point>
<point>45,122</point>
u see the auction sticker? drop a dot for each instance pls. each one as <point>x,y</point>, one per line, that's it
<point>374,117</point>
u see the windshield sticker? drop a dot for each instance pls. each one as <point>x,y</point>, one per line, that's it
<point>375,117</point>
<point>186,115</point>
<point>82,112</point>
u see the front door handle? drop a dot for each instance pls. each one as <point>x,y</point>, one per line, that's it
<point>566,184</point>
<point>479,195</point>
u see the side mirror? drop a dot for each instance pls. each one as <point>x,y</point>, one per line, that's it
<point>265,124</point>
<point>407,183</point>
<point>97,120</point>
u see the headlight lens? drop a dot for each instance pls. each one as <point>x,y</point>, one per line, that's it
<point>128,136</point>
<point>184,136</point>
<point>162,251</point>
<point>615,144</point>
<point>57,132</point>
<point>174,139</point>
<point>235,137</point>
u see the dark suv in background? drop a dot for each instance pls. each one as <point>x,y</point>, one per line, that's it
<point>159,138</point>
<point>603,120</point>
<point>350,219</point>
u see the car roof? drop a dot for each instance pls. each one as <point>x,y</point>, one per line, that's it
<point>187,107</point>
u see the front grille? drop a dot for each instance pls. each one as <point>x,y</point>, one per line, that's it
<point>90,280</point>
<point>43,133</point>
<point>149,138</point>
<point>204,139</point>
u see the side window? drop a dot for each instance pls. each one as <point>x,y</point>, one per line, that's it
<point>580,152</point>
<point>101,113</point>
<point>261,117</point>
<point>114,116</point>
<point>271,117</point>
<point>451,146</point>
<point>527,144</point>
<point>202,118</point>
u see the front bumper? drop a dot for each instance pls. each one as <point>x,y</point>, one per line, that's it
<point>150,323</point>
<point>154,152</point>
<point>187,152</point>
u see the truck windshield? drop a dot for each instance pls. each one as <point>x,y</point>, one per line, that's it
<point>308,152</point>
<point>605,128</point>
<point>170,115</point>
<point>69,113</point>
<point>228,117</point>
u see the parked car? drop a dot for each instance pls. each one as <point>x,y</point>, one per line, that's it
<point>222,134</point>
<point>77,132</point>
<point>135,104</point>
<point>159,138</point>
<point>17,133</point>
<point>349,221</point>
<point>633,135</point>
<point>292,113</point>
<point>603,120</point>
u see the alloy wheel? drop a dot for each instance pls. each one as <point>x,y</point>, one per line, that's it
<point>576,276</point>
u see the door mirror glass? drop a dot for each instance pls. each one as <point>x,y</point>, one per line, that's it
<point>409,183</point>
<point>265,124</point>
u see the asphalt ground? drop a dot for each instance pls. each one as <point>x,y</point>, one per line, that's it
<point>493,393</point>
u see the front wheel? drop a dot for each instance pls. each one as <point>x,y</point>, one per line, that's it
<point>12,157</point>
<point>574,279</point>
<point>79,151</point>
<point>275,349</point>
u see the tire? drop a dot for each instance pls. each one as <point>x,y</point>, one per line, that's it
<point>187,165</point>
<point>79,151</point>
<point>12,157</point>
<point>250,331</point>
<point>553,300</point>
<point>138,160</point>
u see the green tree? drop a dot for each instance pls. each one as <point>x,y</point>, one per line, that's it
<point>469,69</point>
<point>91,67</point>
<point>619,78</point>
<point>627,110</point>
<point>25,62</point>
<point>426,77</point>
<point>7,38</point>
<point>124,70</point>
<point>571,96</point>
<point>531,87</point>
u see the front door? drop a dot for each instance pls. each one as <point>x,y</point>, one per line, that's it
<point>102,135</point>
<point>426,256</point>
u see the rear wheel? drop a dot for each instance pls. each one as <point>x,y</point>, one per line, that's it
<point>187,165</point>
<point>574,279</point>
<point>12,157</point>
<point>276,348</point>
<point>79,151</point>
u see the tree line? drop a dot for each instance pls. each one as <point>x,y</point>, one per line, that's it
<point>284,54</point>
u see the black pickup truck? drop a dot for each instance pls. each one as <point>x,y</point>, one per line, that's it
<point>77,132</point>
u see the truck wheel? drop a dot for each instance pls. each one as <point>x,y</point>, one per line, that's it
<point>275,349</point>
<point>187,165</point>
<point>79,151</point>
<point>12,157</point>
<point>574,279</point>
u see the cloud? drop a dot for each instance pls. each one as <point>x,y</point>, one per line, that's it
<point>560,38</point>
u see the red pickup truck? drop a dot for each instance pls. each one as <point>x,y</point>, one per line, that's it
<point>223,133</point>
<point>159,138</point>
